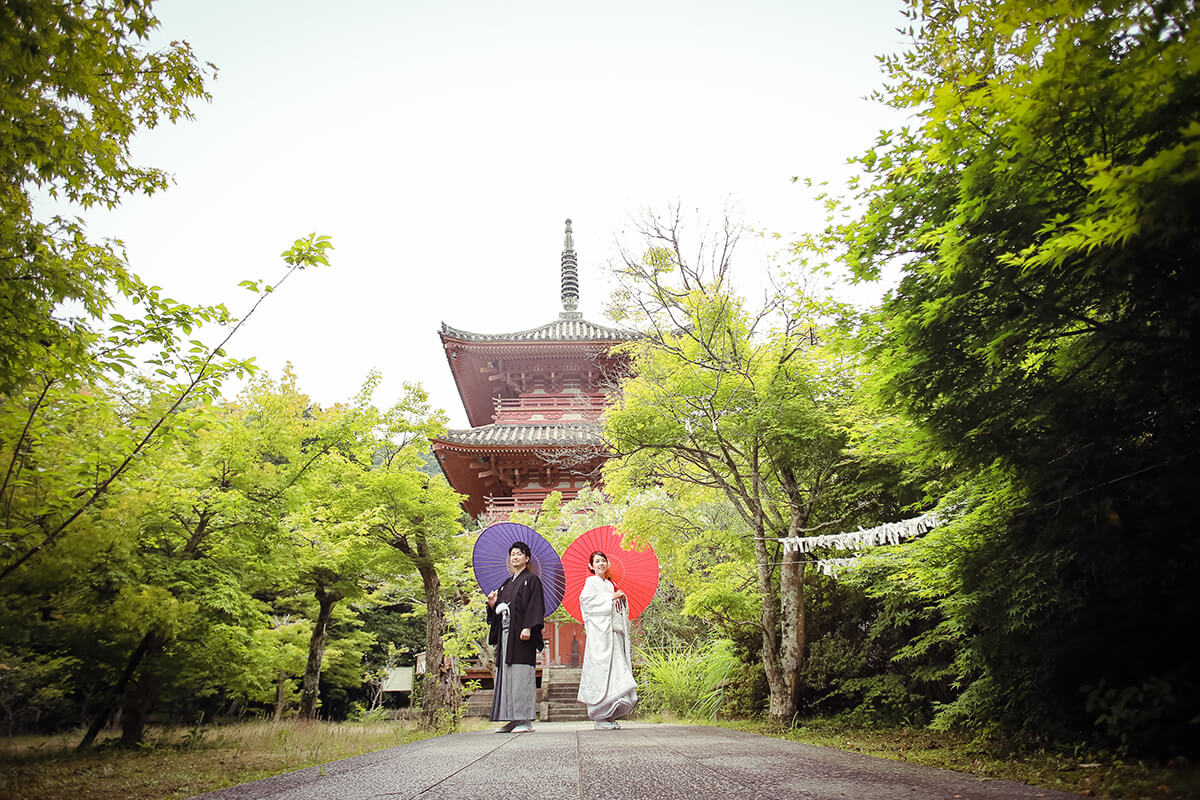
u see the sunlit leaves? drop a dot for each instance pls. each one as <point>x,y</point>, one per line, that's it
<point>78,83</point>
<point>310,251</point>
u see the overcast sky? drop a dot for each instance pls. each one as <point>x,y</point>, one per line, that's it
<point>442,144</point>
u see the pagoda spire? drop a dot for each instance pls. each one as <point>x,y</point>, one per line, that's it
<point>570,278</point>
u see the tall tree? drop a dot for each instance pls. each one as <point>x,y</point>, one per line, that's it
<point>207,523</point>
<point>400,505</point>
<point>1044,210</point>
<point>335,551</point>
<point>750,405</point>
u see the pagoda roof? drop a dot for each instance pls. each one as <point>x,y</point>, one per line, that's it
<point>523,437</point>
<point>564,329</point>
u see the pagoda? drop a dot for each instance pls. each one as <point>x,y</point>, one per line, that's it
<point>533,398</point>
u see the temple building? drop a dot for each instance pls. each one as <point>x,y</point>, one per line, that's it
<point>533,398</point>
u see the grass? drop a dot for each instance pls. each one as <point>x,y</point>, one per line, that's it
<point>1091,774</point>
<point>179,763</point>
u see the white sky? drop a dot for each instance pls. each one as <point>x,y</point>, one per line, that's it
<point>442,144</point>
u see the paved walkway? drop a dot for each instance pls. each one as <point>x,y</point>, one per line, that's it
<point>641,761</point>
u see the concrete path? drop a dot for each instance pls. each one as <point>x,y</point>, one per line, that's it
<point>641,761</point>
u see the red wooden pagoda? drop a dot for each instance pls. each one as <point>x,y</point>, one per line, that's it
<point>534,398</point>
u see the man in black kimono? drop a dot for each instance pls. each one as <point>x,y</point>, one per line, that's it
<point>516,614</point>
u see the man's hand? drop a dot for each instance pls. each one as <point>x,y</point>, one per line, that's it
<point>525,634</point>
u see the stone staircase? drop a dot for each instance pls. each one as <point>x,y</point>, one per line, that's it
<point>559,687</point>
<point>479,703</point>
<point>556,696</point>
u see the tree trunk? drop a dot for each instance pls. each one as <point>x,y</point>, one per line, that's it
<point>135,708</point>
<point>316,651</point>
<point>784,630</point>
<point>441,690</point>
<point>149,643</point>
<point>768,623</point>
<point>280,695</point>
<point>793,638</point>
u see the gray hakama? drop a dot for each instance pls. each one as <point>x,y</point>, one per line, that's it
<point>515,695</point>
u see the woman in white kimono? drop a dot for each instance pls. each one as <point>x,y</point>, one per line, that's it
<point>606,684</point>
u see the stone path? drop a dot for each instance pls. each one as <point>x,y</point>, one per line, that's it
<point>641,761</point>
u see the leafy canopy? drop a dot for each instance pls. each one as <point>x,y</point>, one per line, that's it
<point>79,82</point>
<point>1043,210</point>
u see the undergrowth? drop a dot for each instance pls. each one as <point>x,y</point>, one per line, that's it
<point>179,763</point>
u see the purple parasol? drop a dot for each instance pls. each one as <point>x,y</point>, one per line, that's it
<point>490,559</point>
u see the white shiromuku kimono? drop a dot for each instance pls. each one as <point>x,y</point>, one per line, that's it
<point>606,684</point>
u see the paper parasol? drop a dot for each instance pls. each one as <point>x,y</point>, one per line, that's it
<point>490,560</point>
<point>635,572</point>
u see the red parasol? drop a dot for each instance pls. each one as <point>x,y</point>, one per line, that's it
<point>635,572</point>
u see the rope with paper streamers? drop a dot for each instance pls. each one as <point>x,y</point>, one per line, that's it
<point>832,566</point>
<point>861,539</point>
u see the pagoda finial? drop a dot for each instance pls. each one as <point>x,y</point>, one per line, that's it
<point>570,277</point>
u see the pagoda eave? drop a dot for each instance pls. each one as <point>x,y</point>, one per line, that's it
<point>480,471</point>
<point>485,370</point>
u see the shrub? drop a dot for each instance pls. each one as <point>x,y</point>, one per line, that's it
<point>687,682</point>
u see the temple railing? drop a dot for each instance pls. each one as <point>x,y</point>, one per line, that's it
<point>549,408</point>
<point>498,509</point>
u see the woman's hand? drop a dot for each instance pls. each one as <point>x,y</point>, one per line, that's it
<point>525,634</point>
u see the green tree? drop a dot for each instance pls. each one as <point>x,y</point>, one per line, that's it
<point>400,505</point>
<point>283,649</point>
<point>206,522</point>
<point>336,559</point>
<point>1043,208</point>
<point>753,406</point>
<point>335,552</point>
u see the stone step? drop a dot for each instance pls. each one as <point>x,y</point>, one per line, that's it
<point>572,706</point>
<point>575,713</point>
<point>557,696</point>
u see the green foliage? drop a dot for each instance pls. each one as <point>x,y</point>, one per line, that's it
<point>737,428</point>
<point>376,514</point>
<point>1131,714</point>
<point>146,529</point>
<point>706,558</point>
<point>363,715</point>
<point>1042,208</point>
<point>33,685</point>
<point>689,682</point>
<point>195,575</point>
<point>746,691</point>
<point>399,631</point>
<point>466,623</point>
<point>79,85</point>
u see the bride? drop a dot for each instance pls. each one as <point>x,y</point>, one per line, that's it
<point>606,684</point>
